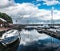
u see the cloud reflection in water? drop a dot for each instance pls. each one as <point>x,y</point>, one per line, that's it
<point>33,41</point>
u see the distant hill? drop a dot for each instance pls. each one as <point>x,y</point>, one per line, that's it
<point>6,17</point>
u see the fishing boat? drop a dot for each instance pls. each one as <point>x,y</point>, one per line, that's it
<point>9,41</point>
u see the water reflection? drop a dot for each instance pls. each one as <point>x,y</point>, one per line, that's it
<point>33,41</point>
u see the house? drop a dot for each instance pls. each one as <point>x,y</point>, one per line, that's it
<point>2,22</point>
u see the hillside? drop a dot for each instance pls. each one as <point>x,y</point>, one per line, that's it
<point>6,17</point>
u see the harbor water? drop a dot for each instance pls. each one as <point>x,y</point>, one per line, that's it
<point>34,41</point>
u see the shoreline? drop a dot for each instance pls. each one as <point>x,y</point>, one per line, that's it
<point>4,29</point>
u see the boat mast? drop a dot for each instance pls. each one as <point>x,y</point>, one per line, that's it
<point>52,16</point>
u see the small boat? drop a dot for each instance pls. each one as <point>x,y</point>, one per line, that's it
<point>9,41</point>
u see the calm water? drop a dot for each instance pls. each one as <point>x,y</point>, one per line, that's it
<point>34,41</point>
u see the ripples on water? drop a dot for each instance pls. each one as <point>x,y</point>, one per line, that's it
<point>33,41</point>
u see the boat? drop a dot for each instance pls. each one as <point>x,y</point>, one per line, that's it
<point>10,40</point>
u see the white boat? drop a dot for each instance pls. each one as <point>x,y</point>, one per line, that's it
<point>9,41</point>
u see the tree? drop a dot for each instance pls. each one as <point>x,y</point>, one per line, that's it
<point>6,17</point>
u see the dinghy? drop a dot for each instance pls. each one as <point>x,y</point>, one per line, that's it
<point>9,41</point>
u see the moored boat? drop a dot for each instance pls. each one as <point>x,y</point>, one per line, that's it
<point>9,41</point>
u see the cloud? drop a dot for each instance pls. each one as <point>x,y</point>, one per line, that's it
<point>56,14</point>
<point>38,5</point>
<point>38,0</point>
<point>49,2</point>
<point>6,3</point>
<point>52,2</point>
<point>24,11</point>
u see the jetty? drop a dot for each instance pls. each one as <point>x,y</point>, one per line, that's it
<point>54,34</point>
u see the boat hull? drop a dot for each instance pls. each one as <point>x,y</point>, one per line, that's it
<point>10,47</point>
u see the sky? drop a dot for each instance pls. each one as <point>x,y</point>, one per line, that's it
<point>36,10</point>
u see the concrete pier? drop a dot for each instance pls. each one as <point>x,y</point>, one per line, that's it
<point>50,33</point>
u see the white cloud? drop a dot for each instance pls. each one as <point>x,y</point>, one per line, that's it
<point>50,2</point>
<point>38,5</point>
<point>56,14</point>
<point>38,0</point>
<point>27,10</point>
<point>24,9</point>
<point>5,3</point>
